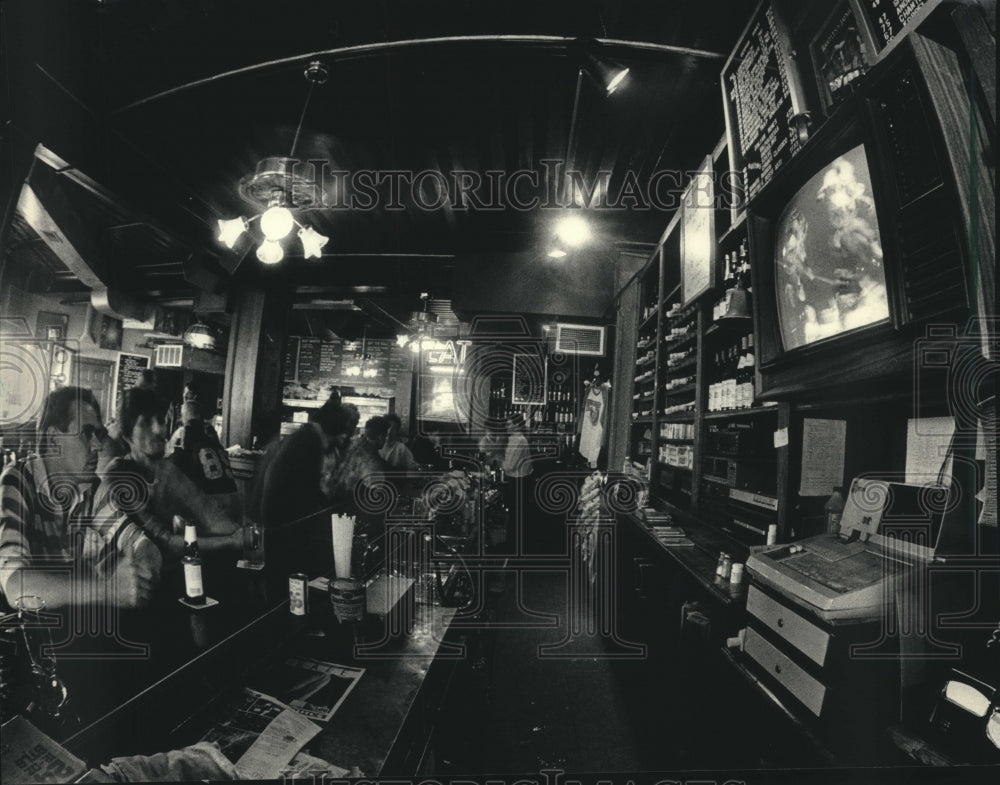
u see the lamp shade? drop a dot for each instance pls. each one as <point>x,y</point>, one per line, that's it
<point>230,231</point>
<point>312,242</point>
<point>200,336</point>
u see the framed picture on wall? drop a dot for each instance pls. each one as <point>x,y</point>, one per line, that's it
<point>51,326</point>
<point>698,254</point>
<point>111,333</point>
<point>840,55</point>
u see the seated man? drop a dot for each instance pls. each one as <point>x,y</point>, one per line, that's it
<point>195,449</point>
<point>46,502</point>
<point>150,490</point>
<point>396,454</point>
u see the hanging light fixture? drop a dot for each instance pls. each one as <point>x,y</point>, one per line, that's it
<point>200,336</point>
<point>277,187</point>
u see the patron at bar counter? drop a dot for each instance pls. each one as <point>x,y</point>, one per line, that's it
<point>391,248</point>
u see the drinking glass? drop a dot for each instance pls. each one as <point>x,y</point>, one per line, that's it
<point>253,546</point>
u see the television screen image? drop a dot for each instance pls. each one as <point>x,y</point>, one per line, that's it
<point>829,271</point>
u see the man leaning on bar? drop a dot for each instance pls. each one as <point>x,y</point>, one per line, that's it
<point>49,547</point>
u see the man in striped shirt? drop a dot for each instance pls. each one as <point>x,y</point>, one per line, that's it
<point>48,545</point>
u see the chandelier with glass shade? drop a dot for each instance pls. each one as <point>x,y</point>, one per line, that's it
<point>278,188</point>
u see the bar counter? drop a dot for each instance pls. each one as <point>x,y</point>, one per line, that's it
<point>154,685</point>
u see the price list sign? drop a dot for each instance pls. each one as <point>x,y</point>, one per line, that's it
<point>762,98</point>
<point>888,18</point>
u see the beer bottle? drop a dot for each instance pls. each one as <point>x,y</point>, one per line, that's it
<point>194,590</point>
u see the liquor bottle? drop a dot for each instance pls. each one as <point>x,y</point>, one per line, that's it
<point>751,363</point>
<point>834,510</point>
<point>194,590</point>
<point>741,375</point>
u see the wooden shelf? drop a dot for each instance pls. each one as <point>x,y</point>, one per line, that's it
<point>731,326</point>
<point>682,389</point>
<point>677,417</point>
<point>296,403</point>
<point>681,366</point>
<point>676,342</point>
<point>664,440</point>
<point>738,413</point>
<point>642,420</point>
<point>674,467</point>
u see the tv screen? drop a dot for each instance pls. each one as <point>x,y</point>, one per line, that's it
<point>828,265</point>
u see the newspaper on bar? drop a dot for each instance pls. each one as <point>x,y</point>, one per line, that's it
<point>261,735</point>
<point>313,688</point>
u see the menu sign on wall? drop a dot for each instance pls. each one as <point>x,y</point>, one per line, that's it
<point>888,18</point>
<point>128,372</point>
<point>763,98</point>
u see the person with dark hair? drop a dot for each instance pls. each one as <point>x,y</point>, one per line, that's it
<point>396,454</point>
<point>289,477</point>
<point>360,464</point>
<point>46,502</point>
<point>195,449</point>
<point>147,379</point>
<point>149,490</point>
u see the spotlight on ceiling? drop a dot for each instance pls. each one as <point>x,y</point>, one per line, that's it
<point>557,253</point>
<point>608,74</point>
<point>573,230</point>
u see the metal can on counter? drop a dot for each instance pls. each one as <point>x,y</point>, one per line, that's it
<point>298,594</point>
<point>726,567</point>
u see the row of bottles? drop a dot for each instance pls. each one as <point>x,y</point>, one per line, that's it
<point>733,375</point>
<point>559,395</point>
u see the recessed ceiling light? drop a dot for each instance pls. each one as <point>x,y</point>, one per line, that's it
<point>573,230</point>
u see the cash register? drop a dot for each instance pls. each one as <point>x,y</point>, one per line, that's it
<point>886,529</point>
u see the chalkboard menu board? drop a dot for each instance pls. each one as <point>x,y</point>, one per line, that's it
<point>314,366</point>
<point>128,372</point>
<point>763,96</point>
<point>888,18</point>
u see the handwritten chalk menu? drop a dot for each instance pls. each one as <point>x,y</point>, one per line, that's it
<point>762,96</point>
<point>128,372</point>
<point>314,366</point>
<point>888,18</point>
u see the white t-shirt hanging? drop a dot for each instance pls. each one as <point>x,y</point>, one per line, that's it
<point>593,416</point>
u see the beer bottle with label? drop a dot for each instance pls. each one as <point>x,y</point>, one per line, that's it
<point>194,590</point>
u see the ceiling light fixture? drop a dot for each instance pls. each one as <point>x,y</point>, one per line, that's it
<point>557,253</point>
<point>276,187</point>
<point>200,336</point>
<point>573,230</point>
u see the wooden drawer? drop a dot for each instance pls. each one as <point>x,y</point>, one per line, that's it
<point>803,686</point>
<point>803,635</point>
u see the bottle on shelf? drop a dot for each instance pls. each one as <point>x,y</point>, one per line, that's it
<point>194,589</point>
<point>833,510</point>
<point>741,376</point>
<point>751,363</point>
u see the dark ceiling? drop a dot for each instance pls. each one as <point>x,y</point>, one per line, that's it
<point>167,105</point>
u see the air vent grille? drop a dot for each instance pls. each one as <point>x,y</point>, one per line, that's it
<point>170,355</point>
<point>580,339</point>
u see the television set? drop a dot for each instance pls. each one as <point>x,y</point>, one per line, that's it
<point>858,242</point>
<point>829,268</point>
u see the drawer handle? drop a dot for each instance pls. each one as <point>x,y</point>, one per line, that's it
<point>781,622</point>
<point>777,669</point>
